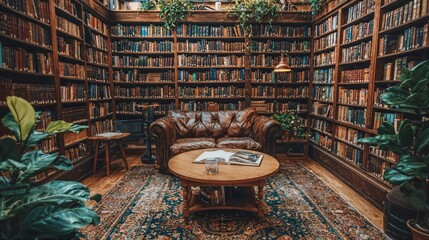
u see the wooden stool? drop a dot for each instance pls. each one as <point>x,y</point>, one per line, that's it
<point>107,137</point>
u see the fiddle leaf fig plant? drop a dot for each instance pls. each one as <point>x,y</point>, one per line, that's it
<point>29,209</point>
<point>411,140</point>
<point>173,11</point>
<point>254,11</point>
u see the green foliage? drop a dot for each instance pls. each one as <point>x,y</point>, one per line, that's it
<point>317,5</point>
<point>291,122</point>
<point>173,11</point>
<point>254,11</point>
<point>148,5</point>
<point>411,141</point>
<point>28,209</point>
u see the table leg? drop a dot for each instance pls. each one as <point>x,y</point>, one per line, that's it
<point>97,146</point>
<point>108,158</point>
<point>185,208</point>
<point>261,202</point>
<point>123,153</point>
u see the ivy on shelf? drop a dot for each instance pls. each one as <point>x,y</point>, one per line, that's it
<point>173,11</point>
<point>317,5</point>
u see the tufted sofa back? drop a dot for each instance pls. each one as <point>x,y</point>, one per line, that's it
<point>214,124</point>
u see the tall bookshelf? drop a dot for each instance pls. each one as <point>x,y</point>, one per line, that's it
<point>375,40</point>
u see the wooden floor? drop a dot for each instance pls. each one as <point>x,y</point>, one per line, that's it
<point>99,183</point>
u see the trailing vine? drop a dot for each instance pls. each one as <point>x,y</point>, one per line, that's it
<point>173,11</point>
<point>248,11</point>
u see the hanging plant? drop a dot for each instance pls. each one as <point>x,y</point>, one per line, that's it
<point>173,11</point>
<point>317,5</point>
<point>148,5</point>
<point>254,11</point>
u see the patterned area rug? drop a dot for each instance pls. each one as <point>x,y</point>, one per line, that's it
<point>147,205</point>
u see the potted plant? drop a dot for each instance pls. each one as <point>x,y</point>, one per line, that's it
<point>292,125</point>
<point>29,209</point>
<point>173,11</point>
<point>410,141</point>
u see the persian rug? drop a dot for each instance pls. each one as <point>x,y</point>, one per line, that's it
<point>147,205</point>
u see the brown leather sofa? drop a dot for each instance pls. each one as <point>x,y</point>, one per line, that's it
<point>182,131</point>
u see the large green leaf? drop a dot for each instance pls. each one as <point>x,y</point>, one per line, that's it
<point>58,126</point>
<point>405,133</point>
<point>23,113</point>
<point>36,137</point>
<point>8,149</point>
<point>10,123</point>
<point>421,85</point>
<point>60,193</point>
<point>37,162</point>
<point>422,142</point>
<point>77,128</point>
<point>4,183</point>
<point>418,199</point>
<point>419,71</point>
<point>55,222</point>
<point>11,165</point>
<point>395,177</point>
<point>386,128</point>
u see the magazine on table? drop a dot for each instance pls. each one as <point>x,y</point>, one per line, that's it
<point>238,158</point>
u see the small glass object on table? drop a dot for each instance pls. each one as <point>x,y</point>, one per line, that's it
<point>211,165</point>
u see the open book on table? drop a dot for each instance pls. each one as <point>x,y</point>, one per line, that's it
<point>240,157</point>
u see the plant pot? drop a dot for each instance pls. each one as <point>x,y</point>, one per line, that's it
<point>286,135</point>
<point>418,233</point>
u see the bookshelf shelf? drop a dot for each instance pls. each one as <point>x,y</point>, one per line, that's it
<point>322,132</point>
<point>95,30</point>
<point>325,34</point>
<point>367,16</point>
<point>26,44</point>
<point>72,79</point>
<point>211,82</point>
<point>404,53</point>
<point>12,71</point>
<point>97,48</point>
<point>324,66</point>
<point>348,143</point>
<point>22,15</point>
<point>347,44</point>
<point>63,13</point>
<point>94,119</point>
<point>331,48</point>
<point>129,67</point>
<point>141,53</point>
<point>351,105</point>
<point>145,83</point>
<point>69,58</point>
<point>352,64</point>
<point>417,21</point>
<point>66,34</point>
<point>97,65</point>
<point>353,83</point>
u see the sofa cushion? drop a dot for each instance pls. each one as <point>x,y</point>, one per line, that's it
<point>188,144</point>
<point>238,142</point>
<point>213,124</point>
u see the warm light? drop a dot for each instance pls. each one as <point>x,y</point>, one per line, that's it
<point>283,66</point>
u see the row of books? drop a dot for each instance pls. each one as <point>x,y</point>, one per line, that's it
<point>95,23</point>
<point>410,38</point>
<point>70,47</point>
<point>349,135</point>
<point>295,92</point>
<point>359,10</point>
<point>37,9</point>
<point>408,12</point>
<point>376,167</point>
<point>274,30</point>
<point>260,75</point>
<point>358,31</point>
<point>95,40</point>
<point>139,76</point>
<point>219,75</point>
<point>142,61</point>
<point>393,118</point>
<point>330,24</point>
<point>195,30</point>
<point>321,125</point>
<point>324,75</point>
<point>377,100</point>
<point>68,6</point>
<point>323,93</point>
<point>49,144</point>
<point>101,127</point>
<point>263,60</point>
<point>228,91</point>
<point>390,156</point>
<point>325,42</point>
<point>20,59</point>
<point>357,52</point>
<point>392,70</point>
<point>96,56</point>
<point>17,27</point>
<point>74,114</point>
<point>94,73</point>
<point>144,92</point>
<point>210,61</point>
<point>150,30</point>
<point>73,92</point>
<point>352,115</point>
<point>99,109</point>
<point>68,27</point>
<point>71,70</point>
<point>289,107</point>
<point>355,75</point>
<point>210,46</point>
<point>322,140</point>
<point>130,107</point>
<point>33,93</point>
<point>126,45</point>
<point>211,106</point>
<point>98,92</point>
<point>45,119</point>
<point>353,96</point>
<point>348,152</point>
<point>71,137</point>
<point>322,109</point>
<point>280,46</point>
<point>77,153</point>
<point>325,58</point>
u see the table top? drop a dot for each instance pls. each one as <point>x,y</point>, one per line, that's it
<point>181,165</point>
<point>115,137</point>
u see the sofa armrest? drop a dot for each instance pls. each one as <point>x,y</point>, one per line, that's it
<point>266,131</point>
<point>165,133</point>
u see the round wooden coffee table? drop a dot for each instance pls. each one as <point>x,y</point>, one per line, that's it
<point>193,174</point>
